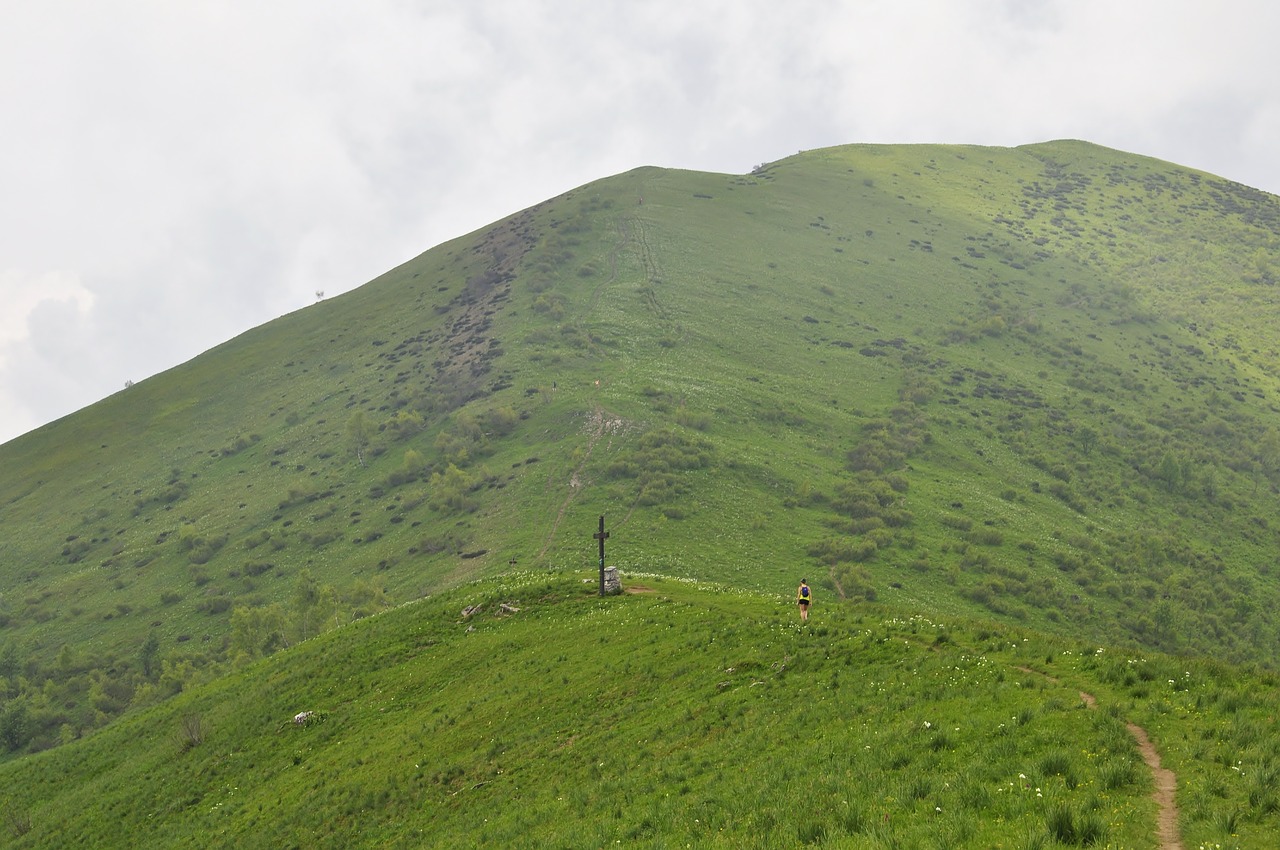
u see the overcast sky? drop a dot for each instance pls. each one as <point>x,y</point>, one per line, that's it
<point>175,173</point>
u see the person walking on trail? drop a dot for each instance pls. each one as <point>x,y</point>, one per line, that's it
<point>803,597</point>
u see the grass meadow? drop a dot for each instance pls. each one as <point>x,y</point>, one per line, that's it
<point>683,713</point>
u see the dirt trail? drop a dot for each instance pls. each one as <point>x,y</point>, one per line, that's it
<point>601,421</point>
<point>597,425</point>
<point>1166,785</point>
<point>1165,781</point>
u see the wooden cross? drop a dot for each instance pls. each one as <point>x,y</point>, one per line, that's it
<point>601,535</point>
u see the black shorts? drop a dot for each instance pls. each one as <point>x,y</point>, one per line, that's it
<point>804,602</point>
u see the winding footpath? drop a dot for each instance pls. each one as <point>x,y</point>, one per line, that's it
<point>1166,784</point>
<point>1165,781</point>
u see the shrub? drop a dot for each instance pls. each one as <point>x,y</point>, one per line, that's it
<point>985,537</point>
<point>204,548</point>
<point>239,444</point>
<point>191,731</point>
<point>320,539</point>
<point>697,421</point>
<point>450,491</point>
<point>405,424</point>
<point>447,542</point>
<point>411,469</point>
<point>500,421</point>
<point>214,605</point>
<point>19,822</point>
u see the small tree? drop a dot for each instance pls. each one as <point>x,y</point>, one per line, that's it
<point>1087,438</point>
<point>1170,472</point>
<point>358,432</point>
<point>10,664</point>
<point>147,655</point>
<point>258,631</point>
<point>13,724</point>
<point>314,606</point>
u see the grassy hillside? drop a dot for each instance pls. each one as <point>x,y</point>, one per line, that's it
<point>682,714</point>
<point>1032,384</point>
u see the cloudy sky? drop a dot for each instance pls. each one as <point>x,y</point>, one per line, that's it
<point>174,173</point>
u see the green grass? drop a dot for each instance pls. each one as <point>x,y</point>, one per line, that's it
<point>1035,385</point>
<point>691,713</point>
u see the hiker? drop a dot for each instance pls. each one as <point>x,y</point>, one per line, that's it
<point>803,597</point>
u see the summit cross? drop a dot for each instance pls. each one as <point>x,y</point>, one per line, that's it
<point>601,535</point>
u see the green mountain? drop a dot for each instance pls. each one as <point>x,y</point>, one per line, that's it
<point>1034,386</point>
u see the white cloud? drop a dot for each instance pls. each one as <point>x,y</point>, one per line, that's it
<point>40,312</point>
<point>24,294</point>
<point>177,173</point>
